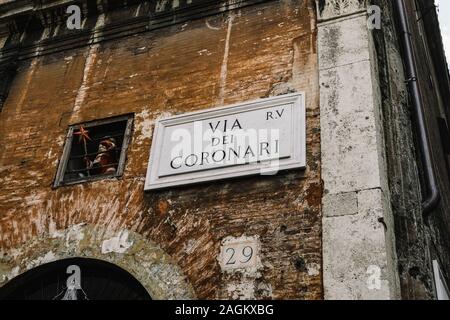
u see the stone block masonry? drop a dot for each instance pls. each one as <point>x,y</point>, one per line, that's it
<point>359,258</point>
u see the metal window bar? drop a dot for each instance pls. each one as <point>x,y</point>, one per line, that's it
<point>62,175</point>
<point>106,136</point>
<point>79,156</point>
<point>97,167</point>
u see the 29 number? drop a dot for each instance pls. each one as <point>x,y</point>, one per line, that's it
<point>246,255</point>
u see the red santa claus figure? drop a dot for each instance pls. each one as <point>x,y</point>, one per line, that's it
<point>105,161</point>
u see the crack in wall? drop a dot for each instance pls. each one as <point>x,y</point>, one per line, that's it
<point>224,67</point>
<point>89,63</point>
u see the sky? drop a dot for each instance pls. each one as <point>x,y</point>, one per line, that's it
<point>444,17</point>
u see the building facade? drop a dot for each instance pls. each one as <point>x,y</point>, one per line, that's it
<point>79,105</point>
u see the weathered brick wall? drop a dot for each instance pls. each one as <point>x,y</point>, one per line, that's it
<point>254,52</point>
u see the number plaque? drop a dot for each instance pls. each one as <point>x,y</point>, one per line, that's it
<point>239,253</point>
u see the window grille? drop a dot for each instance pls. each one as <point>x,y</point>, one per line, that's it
<point>94,150</point>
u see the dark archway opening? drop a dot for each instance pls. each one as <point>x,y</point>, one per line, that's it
<point>98,280</point>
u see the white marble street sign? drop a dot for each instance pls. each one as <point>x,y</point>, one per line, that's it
<point>257,137</point>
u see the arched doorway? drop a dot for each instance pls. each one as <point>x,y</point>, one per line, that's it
<point>144,259</point>
<point>75,279</point>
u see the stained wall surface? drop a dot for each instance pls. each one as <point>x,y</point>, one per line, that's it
<point>255,52</point>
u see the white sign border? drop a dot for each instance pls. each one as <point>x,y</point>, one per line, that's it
<point>297,161</point>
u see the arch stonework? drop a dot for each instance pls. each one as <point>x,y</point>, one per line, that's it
<point>142,258</point>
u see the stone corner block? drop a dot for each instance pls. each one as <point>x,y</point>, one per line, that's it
<point>342,204</point>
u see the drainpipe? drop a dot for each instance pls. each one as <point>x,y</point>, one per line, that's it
<point>433,197</point>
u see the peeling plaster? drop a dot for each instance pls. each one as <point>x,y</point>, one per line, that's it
<point>72,235</point>
<point>224,67</point>
<point>244,290</point>
<point>90,62</point>
<point>144,123</point>
<point>10,275</point>
<point>190,246</point>
<point>313,269</point>
<point>204,52</point>
<point>48,257</point>
<point>118,244</point>
<point>145,260</point>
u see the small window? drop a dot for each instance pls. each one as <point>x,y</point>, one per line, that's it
<point>94,150</point>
